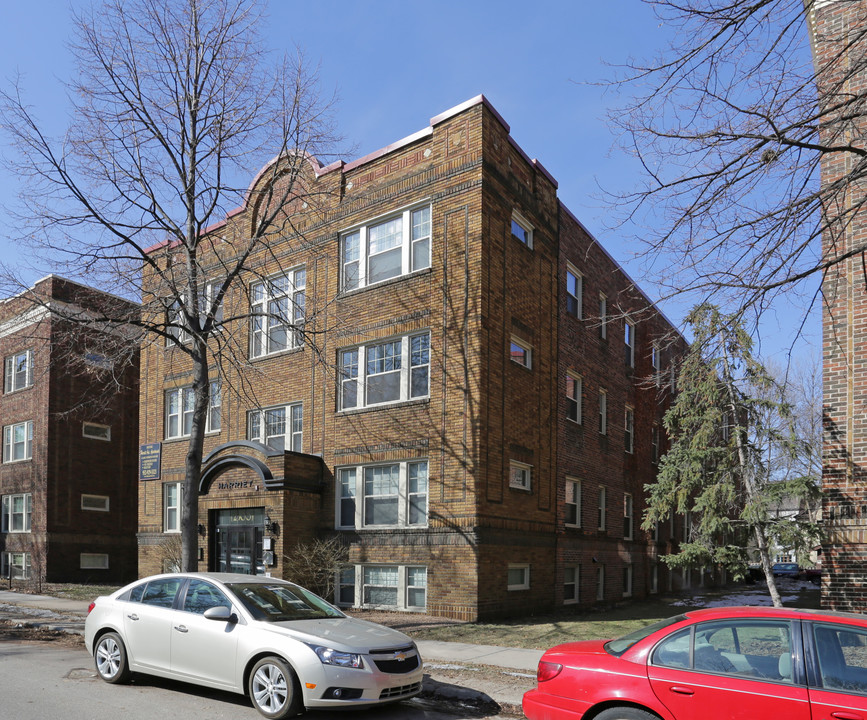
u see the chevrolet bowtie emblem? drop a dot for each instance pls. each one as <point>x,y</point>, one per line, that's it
<point>400,656</point>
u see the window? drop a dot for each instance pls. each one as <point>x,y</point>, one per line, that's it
<point>521,353</point>
<point>278,428</point>
<point>603,317</point>
<point>600,582</point>
<point>522,230</point>
<point>656,362</point>
<point>627,516</point>
<point>519,577</point>
<point>172,494</point>
<point>93,561</point>
<point>201,596</point>
<point>97,503</point>
<point>95,431</point>
<point>277,309</point>
<point>18,442</point>
<point>180,404</point>
<point>17,564</point>
<point>602,500</point>
<point>627,580</point>
<point>178,329</point>
<point>574,292</point>
<point>399,587</point>
<point>520,475</point>
<point>17,511</point>
<point>573,398</point>
<point>19,371</point>
<point>379,251</point>
<point>392,495</point>
<point>573,502</point>
<point>571,583</point>
<point>628,425</point>
<point>842,657</point>
<point>603,412</point>
<point>654,444</point>
<point>629,340</point>
<point>393,371</point>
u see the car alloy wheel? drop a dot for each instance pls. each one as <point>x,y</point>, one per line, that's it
<point>272,688</point>
<point>110,658</point>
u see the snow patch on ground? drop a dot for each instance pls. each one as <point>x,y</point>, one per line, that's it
<point>757,595</point>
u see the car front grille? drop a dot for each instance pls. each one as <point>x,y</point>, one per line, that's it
<point>397,667</point>
<point>400,691</point>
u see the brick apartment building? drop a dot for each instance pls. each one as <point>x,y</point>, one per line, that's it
<point>67,477</point>
<point>844,475</point>
<point>480,415</point>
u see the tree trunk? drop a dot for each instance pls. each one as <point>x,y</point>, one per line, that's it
<point>193,462</point>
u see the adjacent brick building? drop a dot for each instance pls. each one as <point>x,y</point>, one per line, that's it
<point>843,82</point>
<point>474,408</point>
<point>67,477</point>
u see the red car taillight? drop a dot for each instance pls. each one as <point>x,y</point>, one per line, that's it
<point>547,671</point>
<point>90,607</point>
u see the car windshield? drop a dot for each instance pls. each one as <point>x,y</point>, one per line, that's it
<point>622,644</point>
<point>274,602</point>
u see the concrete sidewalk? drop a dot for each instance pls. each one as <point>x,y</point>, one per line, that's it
<point>454,671</point>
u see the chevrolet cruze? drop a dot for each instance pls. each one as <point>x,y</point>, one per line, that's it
<point>284,647</point>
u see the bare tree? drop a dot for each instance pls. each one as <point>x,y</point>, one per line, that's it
<point>175,105</point>
<point>730,124</point>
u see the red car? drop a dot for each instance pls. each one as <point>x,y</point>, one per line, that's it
<point>716,664</point>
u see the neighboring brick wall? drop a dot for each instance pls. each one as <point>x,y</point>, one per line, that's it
<point>844,477</point>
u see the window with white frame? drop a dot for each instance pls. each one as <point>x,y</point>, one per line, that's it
<point>95,431</point>
<point>520,475</point>
<point>17,512</point>
<point>627,516</point>
<point>627,580</point>
<point>629,340</point>
<point>601,508</point>
<point>398,587</point>
<point>280,428</point>
<point>628,430</point>
<point>95,503</point>
<point>522,230</point>
<point>277,309</point>
<point>603,316</point>
<point>173,493</point>
<point>180,404</point>
<point>383,495</point>
<point>178,328</point>
<point>654,444</point>
<point>571,584</point>
<point>600,582</point>
<point>574,292</point>
<point>18,442</point>
<point>573,397</point>
<point>386,248</point>
<point>93,561</point>
<point>16,564</point>
<point>385,372</point>
<point>518,576</point>
<point>19,371</point>
<point>603,412</point>
<point>573,502</point>
<point>521,353</point>
<point>656,362</point>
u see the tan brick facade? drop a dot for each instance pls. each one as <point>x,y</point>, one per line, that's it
<point>482,413</point>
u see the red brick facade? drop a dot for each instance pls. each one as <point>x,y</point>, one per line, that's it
<point>844,476</point>
<point>489,432</point>
<point>69,500</point>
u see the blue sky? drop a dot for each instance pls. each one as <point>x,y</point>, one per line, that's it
<point>397,63</point>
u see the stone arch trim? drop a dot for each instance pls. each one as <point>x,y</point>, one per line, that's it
<point>210,473</point>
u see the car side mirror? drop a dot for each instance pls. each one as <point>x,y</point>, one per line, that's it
<point>221,613</point>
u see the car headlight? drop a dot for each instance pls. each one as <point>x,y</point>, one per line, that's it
<point>330,656</point>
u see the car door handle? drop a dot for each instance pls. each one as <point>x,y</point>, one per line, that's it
<point>181,628</point>
<point>681,690</point>
<point>132,616</point>
<point>846,716</point>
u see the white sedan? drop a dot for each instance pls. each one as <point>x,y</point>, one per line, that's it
<point>284,647</point>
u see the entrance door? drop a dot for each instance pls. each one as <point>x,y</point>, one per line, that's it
<point>238,546</point>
